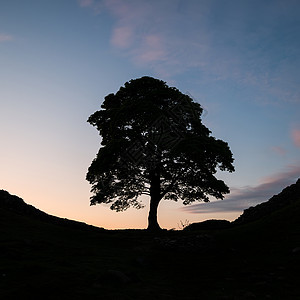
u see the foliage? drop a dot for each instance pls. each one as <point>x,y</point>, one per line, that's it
<point>154,143</point>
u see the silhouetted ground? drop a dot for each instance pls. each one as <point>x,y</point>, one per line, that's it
<point>41,258</point>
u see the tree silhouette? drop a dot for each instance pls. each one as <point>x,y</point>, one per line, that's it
<point>154,143</point>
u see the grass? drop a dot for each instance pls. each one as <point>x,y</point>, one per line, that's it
<point>259,260</point>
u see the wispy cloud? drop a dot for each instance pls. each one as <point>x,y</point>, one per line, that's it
<point>151,50</point>
<point>279,150</point>
<point>5,37</point>
<point>149,34</point>
<point>122,37</point>
<point>96,6</point>
<point>172,37</point>
<point>134,31</point>
<point>296,137</point>
<point>244,197</point>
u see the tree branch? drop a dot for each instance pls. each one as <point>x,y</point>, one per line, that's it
<point>146,193</point>
<point>174,180</point>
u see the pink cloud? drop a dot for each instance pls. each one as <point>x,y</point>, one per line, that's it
<point>296,137</point>
<point>96,6</point>
<point>197,44</point>
<point>291,173</point>
<point>134,33</point>
<point>153,42</point>
<point>244,197</point>
<point>151,49</point>
<point>122,37</point>
<point>5,37</point>
<point>143,32</point>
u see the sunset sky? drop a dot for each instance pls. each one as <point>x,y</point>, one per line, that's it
<point>240,59</point>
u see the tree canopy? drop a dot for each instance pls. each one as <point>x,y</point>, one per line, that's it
<point>154,143</point>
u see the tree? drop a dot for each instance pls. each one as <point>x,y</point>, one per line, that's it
<point>154,143</point>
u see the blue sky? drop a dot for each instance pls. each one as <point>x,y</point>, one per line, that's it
<point>58,60</point>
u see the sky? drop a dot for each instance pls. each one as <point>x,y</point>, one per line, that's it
<point>239,59</point>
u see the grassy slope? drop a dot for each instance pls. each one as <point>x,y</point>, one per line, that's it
<point>267,253</point>
<point>39,260</point>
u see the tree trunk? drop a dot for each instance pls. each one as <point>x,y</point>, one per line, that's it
<point>152,218</point>
<point>155,197</point>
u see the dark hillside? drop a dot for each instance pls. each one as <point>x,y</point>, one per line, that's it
<point>286,197</point>
<point>209,225</point>
<point>17,205</point>
<point>43,258</point>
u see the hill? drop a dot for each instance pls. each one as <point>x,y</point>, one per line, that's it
<point>287,197</point>
<point>43,258</point>
<point>17,205</point>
